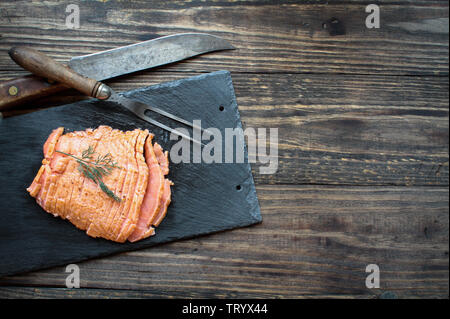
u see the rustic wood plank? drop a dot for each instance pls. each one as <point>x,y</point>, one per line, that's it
<point>64,293</point>
<point>352,129</point>
<point>333,129</point>
<point>314,240</point>
<point>412,39</point>
<point>338,129</point>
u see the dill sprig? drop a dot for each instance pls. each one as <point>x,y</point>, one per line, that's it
<point>96,168</point>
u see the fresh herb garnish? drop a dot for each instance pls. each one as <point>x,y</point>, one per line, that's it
<point>95,169</point>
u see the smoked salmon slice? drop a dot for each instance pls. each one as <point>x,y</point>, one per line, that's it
<point>152,199</point>
<point>139,193</point>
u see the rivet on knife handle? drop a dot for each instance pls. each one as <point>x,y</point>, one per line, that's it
<point>44,66</point>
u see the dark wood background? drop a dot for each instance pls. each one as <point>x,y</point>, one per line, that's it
<point>363,145</point>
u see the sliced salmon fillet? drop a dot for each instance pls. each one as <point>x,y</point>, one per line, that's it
<point>158,195</point>
<point>164,203</point>
<point>48,149</point>
<point>129,222</point>
<point>163,158</point>
<point>61,189</point>
<point>152,196</point>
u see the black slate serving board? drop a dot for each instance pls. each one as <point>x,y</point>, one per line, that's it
<point>205,197</point>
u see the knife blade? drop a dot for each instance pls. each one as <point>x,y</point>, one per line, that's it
<point>115,62</point>
<point>40,64</point>
<point>148,54</point>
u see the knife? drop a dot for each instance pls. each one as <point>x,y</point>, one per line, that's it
<point>112,63</point>
<point>42,65</point>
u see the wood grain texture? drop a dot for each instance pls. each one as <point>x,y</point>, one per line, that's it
<point>64,293</point>
<point>351,129</point>
<point>25,88</point>
<point>412,39</point>
<point>366,108</point>
<point>314,240</point>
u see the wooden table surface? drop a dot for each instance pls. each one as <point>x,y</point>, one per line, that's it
<point>363,145</point>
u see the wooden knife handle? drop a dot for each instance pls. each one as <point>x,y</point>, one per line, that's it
<point>42,65</point>
<point>18,91</point>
